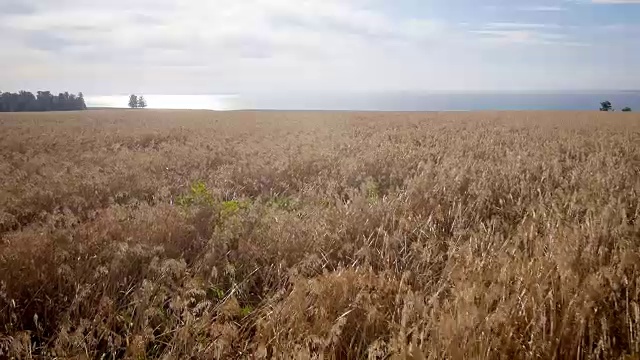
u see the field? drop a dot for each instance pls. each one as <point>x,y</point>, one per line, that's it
<point>178,234</point>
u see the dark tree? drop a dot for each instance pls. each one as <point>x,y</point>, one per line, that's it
<point>133,101</point>
<point>42,101</point>
<point>26,101</point>
<point>142,103</point>
<point>80,104</point>
<point>71,102</point>
<point>606,106</point>
<point>3,105</point>
<point>45,100</point>
<point>627,109</point>
<point>9,102</point>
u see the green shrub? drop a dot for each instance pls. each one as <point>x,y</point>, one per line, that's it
<point>198,195</point>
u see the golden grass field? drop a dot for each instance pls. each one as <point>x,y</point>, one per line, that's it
<point>184,234</point>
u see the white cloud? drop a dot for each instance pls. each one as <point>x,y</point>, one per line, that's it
<point>543,8</point>
<point>525,36</point>
<point>231,46</point>
<point>253,28</point>
<point>236,45</point>
<point>616,1</point>
<point>516,25</point>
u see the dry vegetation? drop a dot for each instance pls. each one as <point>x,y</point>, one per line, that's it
<point>143,234</point>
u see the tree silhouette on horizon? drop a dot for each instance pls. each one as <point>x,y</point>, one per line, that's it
<point>42,101</point>
<point>133,101</point>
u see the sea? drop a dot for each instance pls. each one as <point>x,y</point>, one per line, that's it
<point>384,101</point>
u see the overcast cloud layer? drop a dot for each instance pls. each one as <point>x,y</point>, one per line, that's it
<point>245,46</point>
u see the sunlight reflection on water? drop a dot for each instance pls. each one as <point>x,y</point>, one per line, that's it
<point>195,102</point>
<point>385,101</point>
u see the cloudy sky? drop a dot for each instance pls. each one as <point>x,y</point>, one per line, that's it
<point>240,46</point>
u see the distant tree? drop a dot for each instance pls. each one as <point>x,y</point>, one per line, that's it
<point>9,102</point>
<point>133,101</point>
<point>42,101</point>
<point>71,102</point>
<point>80,104</point>
<point>26,101</point>
<point>606,106</point>
<point>627,109</point>
<point>142,103</point>
<point>65,101</point>
<point>4,103</point>
<point>61,104</point>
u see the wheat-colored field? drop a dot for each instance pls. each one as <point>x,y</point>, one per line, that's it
<point>184,234</point>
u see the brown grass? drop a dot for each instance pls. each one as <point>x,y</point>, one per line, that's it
<point>148,234</point>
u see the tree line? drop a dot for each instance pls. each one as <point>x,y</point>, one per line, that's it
<point>137,102</point>
<point>42,101</point>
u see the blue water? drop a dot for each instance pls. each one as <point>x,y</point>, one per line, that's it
<point>390,101</point>
<point>454,101</point>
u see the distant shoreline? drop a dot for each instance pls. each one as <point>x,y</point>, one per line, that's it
<point>389,101</point>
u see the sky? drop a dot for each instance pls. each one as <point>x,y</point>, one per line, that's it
<point>279,46</point>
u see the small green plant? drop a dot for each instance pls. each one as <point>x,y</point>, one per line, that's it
<point>198,195</point>
<point>216,293</point>
<point>627,109</point>
<point>232,207</point>
<point>606,106</point>
<point>246,310</point>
